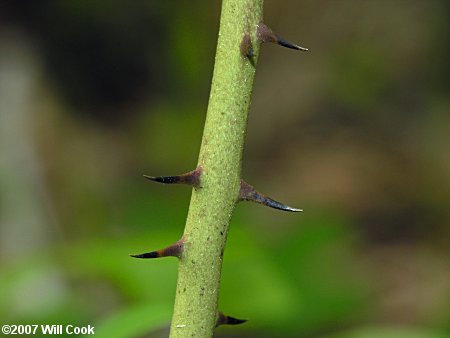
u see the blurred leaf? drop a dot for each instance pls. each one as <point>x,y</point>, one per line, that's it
<point>253,286</point>
<point>391,332</point>
<point>305,283</point>
<point>134,321</point>
<point>136,279</point>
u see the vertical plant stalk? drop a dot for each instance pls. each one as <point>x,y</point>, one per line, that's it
<point>195,312</point>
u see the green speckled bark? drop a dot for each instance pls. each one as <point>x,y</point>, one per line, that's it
<point>212,205</point>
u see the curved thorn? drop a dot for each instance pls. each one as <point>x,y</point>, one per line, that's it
<point>248,193</point>
<point>223,319</point>
<point>287,44</point>
<point>174,250</point>
<point>153,254</point>
<point>164,179</point>
<point>190,178</point>
<point>265,34</point>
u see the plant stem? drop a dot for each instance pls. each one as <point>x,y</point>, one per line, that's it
<point>212,205</point>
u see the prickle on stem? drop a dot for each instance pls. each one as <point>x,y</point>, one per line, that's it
<point>223,319</point>
<point>174,250</point>
<point>265,34</point>
<point>191,178</point>
<point>249,193</point>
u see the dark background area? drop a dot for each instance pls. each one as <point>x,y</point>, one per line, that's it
<point>356,132</point>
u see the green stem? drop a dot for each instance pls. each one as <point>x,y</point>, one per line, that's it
<point>212,205</point>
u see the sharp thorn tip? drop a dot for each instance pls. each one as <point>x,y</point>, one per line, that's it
<point>152,254</point>
<point>227,320</point>
<point>236,321</point>
<point>282,42</point>
<point>152,178</point>
<point>292,209</point>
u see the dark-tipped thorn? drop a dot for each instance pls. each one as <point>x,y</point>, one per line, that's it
<point>190,178</point>
<point>287,44</point>
<point>153,254</point>
<point>223,319</point>
<point>265,34</point>
<point>173,250</point>
<point>248,193</point>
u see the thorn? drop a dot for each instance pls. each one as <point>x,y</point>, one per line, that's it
<point>173,250</point>
<point>265,34</point>
<point>153,254</point>
<point>287,44</point>
<point>223,319</point>
<point>248,193</point>
<point>190,178</point>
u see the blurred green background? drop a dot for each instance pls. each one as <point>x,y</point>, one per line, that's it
<point>93,94</point>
